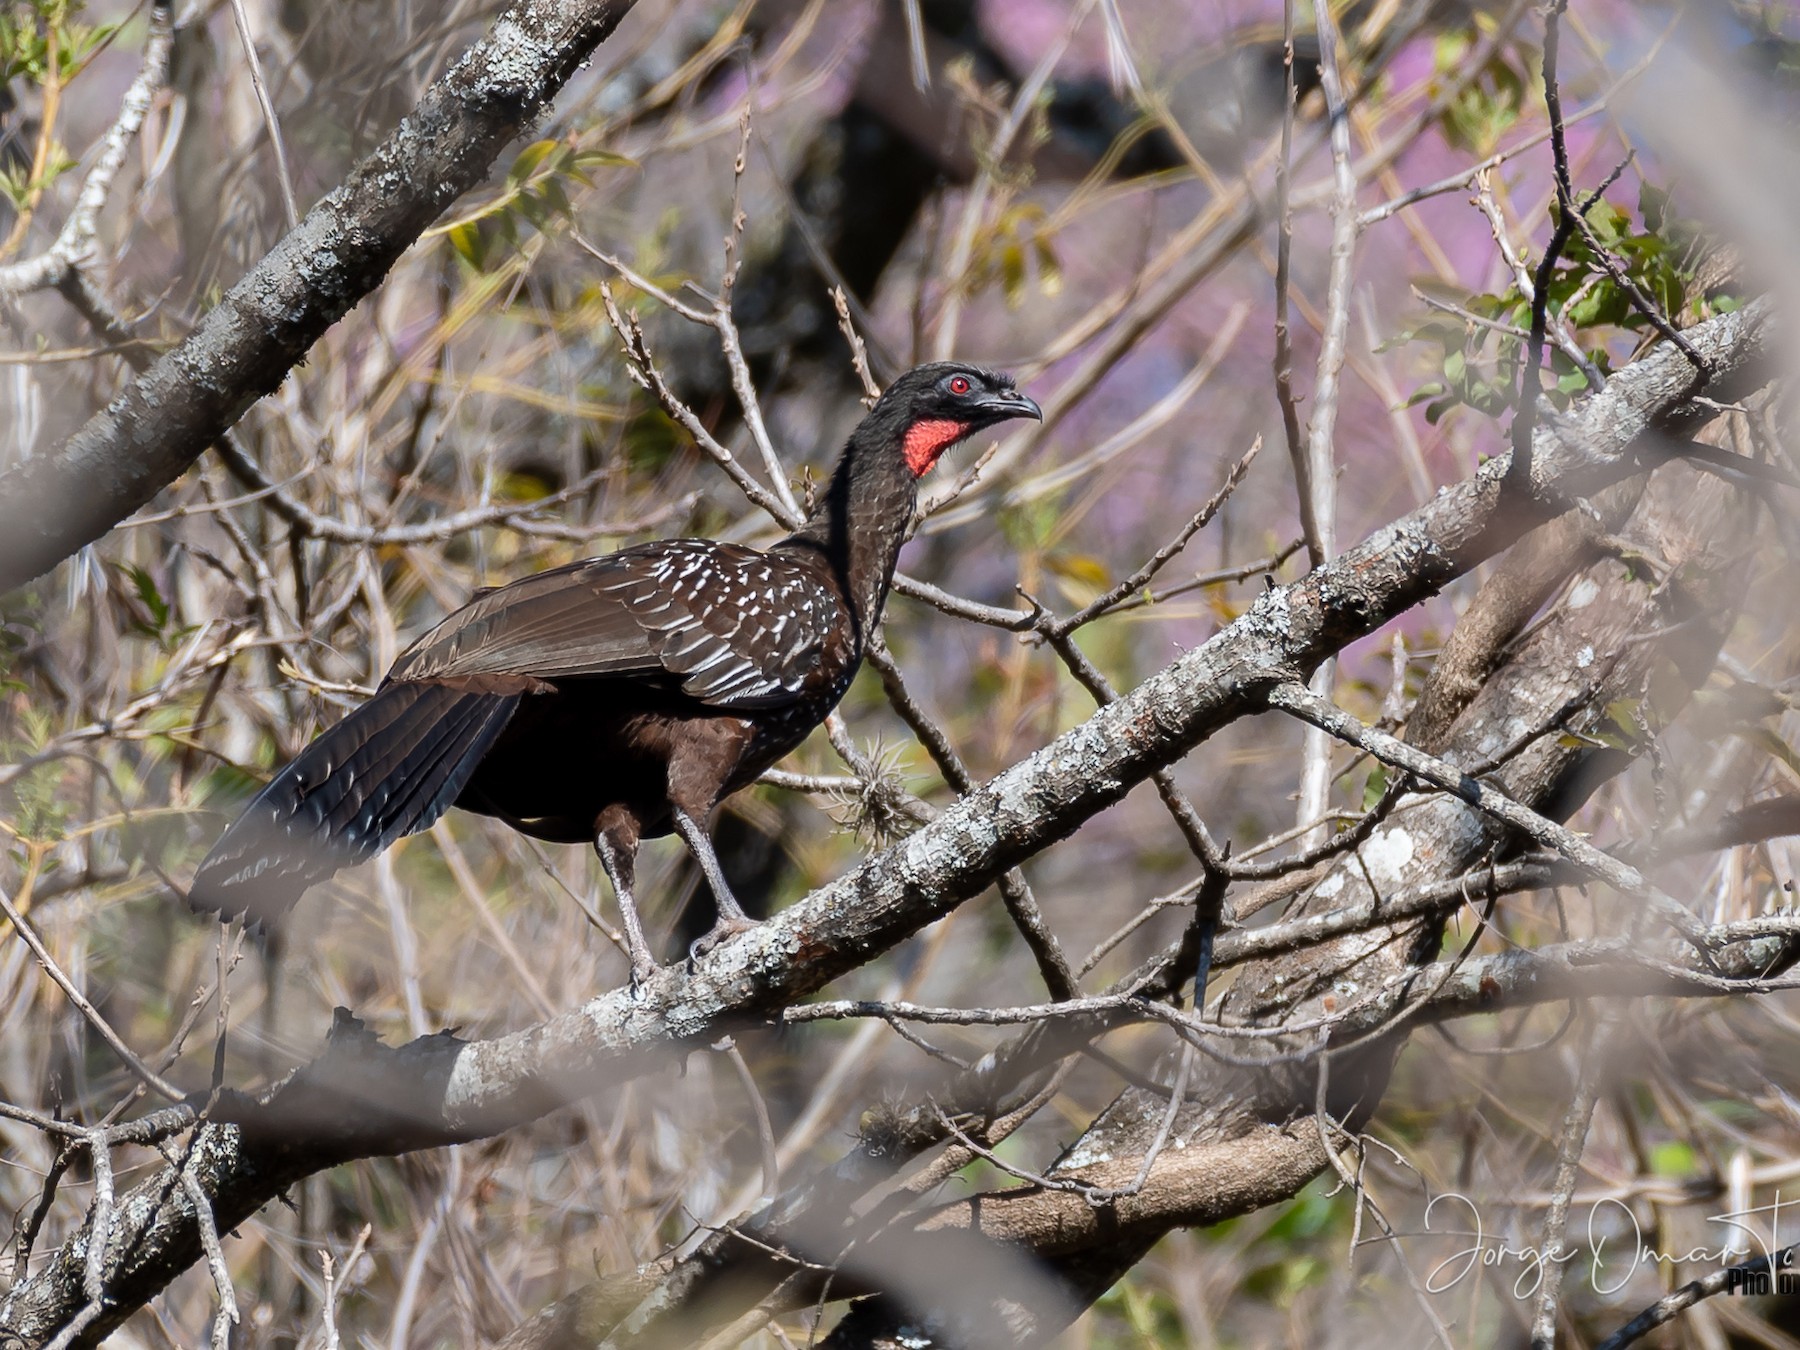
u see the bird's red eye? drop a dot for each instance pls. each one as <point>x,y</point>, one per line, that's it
<point>959,385</point>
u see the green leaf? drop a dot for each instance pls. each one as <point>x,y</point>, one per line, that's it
<point>1767,740</point>
<point>1012,273</point>
<point>555,198</point>
<point>149,596</point>
<point>1376,785</point>
<point>529,159</point>
<point>1672,1158</point>
<point>1050,276</point>
<point>466,239</point>
<point>603,159</point>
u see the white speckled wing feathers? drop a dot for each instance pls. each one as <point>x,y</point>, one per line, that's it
<point>733,627</point>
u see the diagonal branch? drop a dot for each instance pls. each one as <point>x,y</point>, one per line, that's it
<point>1620,875</point>
<point>76,238</point>
<point>363,1099</point>
<point>145,438</point>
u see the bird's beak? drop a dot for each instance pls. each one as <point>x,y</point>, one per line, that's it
<point>1007,403</point>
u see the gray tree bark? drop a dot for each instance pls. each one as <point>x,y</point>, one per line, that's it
<point>363,1099</point>
<point>1245,1131</point>
<point>145,438</point>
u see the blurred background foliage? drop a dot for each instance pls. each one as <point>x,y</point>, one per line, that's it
<point>1026,209</point>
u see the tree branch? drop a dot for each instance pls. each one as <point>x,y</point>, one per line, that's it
<point>145,438</point>
<point>362,1099</point>
<point>76,238</point>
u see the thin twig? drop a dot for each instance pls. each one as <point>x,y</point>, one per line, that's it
<point>1671,1306</point>
<point>915,44</point>
<point>1465,178</point>
<point>227,1316</point>
<point>759,1109</point>
<point>270,122</point>
<point>1021,906</point>
<point>149,1077</point>
<point>328,1304</point>
<point>1321,444</point>
<point>1531,377</point>
<point>1528,290</point>
<point>517,516</point>
<point>1580,1115</point>
<point>859,352</point>
<point>1144,575</point>
<point>75,241</point>
<point>1284,346</point>
<point>1642,302</point>
<point>1352,1181</point>
<point>643,367</point>
<point>1621,876</point>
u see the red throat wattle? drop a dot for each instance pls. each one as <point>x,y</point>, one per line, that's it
<point>927,439</point>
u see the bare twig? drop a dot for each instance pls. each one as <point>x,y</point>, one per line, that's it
<point>146,1075</point>
<point>1531,377</point>
<point>1021,906</point>
<point>1321,446</point>
<point>859,353</point>
<point>1641,302</point>
<point>1322,425</point>
<point>444,1090</point>
<point>1144,575</point>
<point>1284,347</point>
<point>75,241</point>
<point>227,1316</point>
<point>328,1303</point>
<point>1588,1077</point>
<point>51,504</point>
<point>517,516</point>
<point>778,504</point>
<point>1671,1306</point>
<point>759,1109</point>
<point>1528,288</point>
<point>271,123</point>
<point>1621,876</point>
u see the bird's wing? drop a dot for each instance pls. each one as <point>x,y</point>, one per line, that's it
<point>731,627</point>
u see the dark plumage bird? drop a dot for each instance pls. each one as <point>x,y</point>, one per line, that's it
<point>619,697</point>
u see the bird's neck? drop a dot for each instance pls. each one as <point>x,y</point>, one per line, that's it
<point>859,524</point>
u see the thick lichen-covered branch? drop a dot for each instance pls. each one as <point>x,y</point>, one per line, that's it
<point>362,1098</point>
<point>52,504</point>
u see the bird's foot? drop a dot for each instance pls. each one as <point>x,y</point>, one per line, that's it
<point>724,928</point>
<point>643,970</point>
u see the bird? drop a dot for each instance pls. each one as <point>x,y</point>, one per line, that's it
<point>618,698</point>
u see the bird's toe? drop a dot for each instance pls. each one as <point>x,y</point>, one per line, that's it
<point>642,972</point>
<point>723,929</point>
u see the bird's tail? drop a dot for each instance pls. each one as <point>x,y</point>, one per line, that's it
<point>390,768</point>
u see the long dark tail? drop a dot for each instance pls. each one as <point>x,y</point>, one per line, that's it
<point>391,767</point>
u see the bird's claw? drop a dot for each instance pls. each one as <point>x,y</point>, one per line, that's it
<point>642,972</point>
<point>723,929</point>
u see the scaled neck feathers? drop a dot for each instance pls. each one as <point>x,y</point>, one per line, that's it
<point>861,520</point>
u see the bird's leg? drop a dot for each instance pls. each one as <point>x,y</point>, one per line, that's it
<point>732,918</point>
<point>615,841</point>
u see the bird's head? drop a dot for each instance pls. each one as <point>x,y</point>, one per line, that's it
<point>932,407</point>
